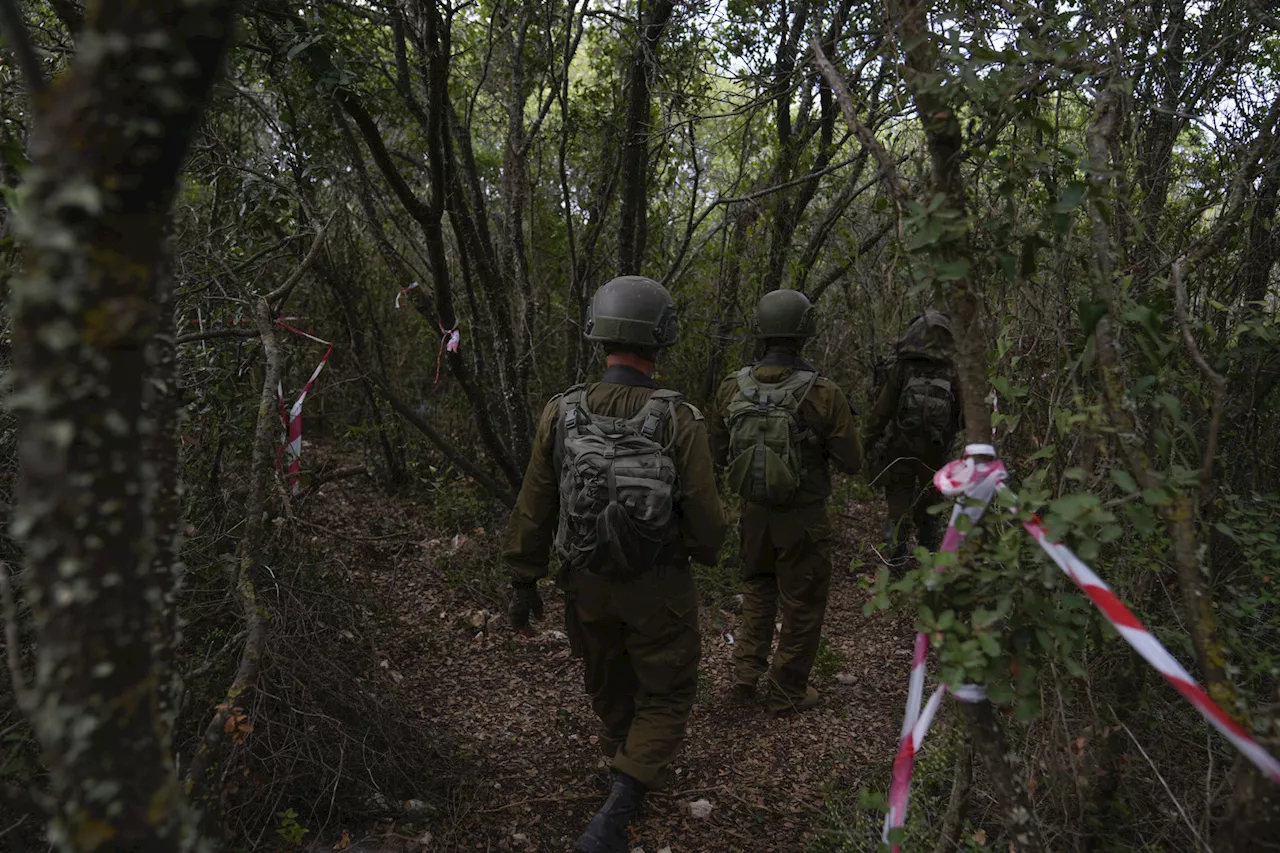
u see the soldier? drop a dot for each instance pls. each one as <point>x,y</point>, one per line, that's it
<point>911,429</point>
<point>626,466</point>
<point>779,424</point>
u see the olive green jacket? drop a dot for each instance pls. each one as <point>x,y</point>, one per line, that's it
<point>700,515</point>
<point>826,412</point>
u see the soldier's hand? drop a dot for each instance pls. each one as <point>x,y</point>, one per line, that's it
<point>525,602</point>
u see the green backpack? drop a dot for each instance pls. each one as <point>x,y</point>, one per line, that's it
<point>765,435</point>
<point>618,485</point>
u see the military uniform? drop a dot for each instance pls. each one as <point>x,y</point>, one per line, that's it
<point>638,638</point>
<point>904,464</point>
<point>786,550</point>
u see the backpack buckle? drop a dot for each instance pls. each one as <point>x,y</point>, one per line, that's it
<point>650,427</point>
<point>570,419</point>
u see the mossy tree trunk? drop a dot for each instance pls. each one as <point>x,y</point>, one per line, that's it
<point>109,139</point>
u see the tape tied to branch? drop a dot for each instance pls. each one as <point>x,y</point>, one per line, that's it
<point>404,291</point>
<point>450,341</point>
<point>974,483</point>
<point>292,419</point>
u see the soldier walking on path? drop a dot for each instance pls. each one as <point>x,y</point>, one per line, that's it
<point>625,466</point>
<point>911,429</point>
<point>779,426</point>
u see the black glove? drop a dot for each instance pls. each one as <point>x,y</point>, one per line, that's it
<point>524,601</point>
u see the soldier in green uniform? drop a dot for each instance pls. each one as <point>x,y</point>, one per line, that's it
<point>625,467</point>
<point>780,426</point>
<point>911,429</point>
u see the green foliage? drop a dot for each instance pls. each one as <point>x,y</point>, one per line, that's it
<point>829,660</point>
<point>1247,557</point>
<point>290,831</point>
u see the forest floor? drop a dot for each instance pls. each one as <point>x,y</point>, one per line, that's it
<point>514,709</point>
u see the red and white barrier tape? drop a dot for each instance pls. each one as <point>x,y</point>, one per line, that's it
<point>449,341</point>
<point>403,291</point>
<point>980,481</point>
<point>916,721</point>
<point>293,418</point>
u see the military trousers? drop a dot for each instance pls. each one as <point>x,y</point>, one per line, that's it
<point>909,492</point>
<point>786,565</point>
<point>640,647</point>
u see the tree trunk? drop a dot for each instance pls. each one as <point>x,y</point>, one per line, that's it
<point>945,142</point>
<point>632,225</point>
<point>109,140</point>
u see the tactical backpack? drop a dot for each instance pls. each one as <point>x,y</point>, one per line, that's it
<point>617,485</point>
<point>925,405</point>
<point>765,436</point>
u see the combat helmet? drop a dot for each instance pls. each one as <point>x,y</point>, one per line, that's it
<point>928,335</point>
<point>632,311</point>
<point>786,314</point>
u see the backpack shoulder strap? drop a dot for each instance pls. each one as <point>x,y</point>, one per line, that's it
<point>566,419</point>
<point>809,378</point>
<point>659,408</point>
<point>572,403</point>
<point>748,386</point>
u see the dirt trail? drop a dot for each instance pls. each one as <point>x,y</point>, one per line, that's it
<point>516,710</point>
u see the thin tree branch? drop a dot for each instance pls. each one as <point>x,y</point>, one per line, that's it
<point>281,293</point>
<point>331,476</point>
<point>194,337</point>
<point>16,677</point>
<point>1217,380</point>
<point>442,444</point>
<point>1165,785</point>
<point>15,31</point>
<point>888,170</point>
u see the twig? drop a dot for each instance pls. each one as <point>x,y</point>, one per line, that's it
<point>1165,784</point>
<point>954,817</point>
<point>196,337</point>
<point>10,829</point>
<point>338,474</point>
<point>15,30</point>
<point>888,171</point>
<point>16,675</point>
<point>560,799</point>
<point>1216,379</point>
<point>281,293</point>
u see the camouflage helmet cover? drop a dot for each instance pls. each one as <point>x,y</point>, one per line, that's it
<point>927,336</point>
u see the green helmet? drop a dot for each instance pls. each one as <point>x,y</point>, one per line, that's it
<point>786,314</point>
<point>634,311</point>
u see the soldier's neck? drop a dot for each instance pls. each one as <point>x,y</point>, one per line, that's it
<point>629,359</point>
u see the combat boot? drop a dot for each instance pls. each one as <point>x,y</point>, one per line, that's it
<point>895,550</point>
<point>607,831</point>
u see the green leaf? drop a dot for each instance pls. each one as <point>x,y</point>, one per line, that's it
<point>990,646</point>
<point>1072,195</point>
<point>952,270</point>
<point>1142,517</point>
<point>1043,453</point>
<point>999,694</point>
<point>1091,311</point>
<point>983,618</point>
<point>1171,404</point>
<point>1124,480</point>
